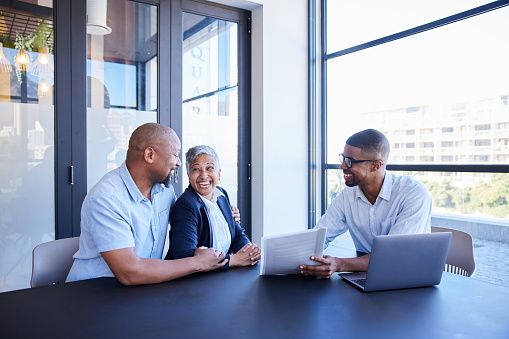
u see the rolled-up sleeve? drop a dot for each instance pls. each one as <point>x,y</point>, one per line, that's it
<point>107,225</point>
<point>334,219</point>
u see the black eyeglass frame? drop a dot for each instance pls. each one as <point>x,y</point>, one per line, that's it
<point>350,161</point>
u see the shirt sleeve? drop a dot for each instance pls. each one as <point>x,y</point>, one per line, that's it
<point>334,219</point>
<point>108,224</point>
<point>414,215</point>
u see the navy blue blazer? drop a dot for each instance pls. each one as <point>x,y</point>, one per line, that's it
<point>190,226</point>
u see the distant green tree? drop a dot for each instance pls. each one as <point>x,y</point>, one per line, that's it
<point>501,184</point>
<point>335,175</point>
<point>492,198</point>
<point>462,199</point>
<point>442,194</point>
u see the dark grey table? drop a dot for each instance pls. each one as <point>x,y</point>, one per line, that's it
<point>241,304</point>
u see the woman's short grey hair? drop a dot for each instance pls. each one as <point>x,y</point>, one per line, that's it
<point>196,151</point>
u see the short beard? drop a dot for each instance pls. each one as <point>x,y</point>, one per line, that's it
<point>353,183</point>
<point>166,181</point>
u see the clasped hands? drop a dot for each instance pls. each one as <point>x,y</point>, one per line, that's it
<point>248,255</point>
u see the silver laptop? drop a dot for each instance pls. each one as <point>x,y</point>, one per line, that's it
<point>403,261</point>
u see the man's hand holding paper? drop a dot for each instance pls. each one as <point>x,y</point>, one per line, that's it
<point>285,254</point>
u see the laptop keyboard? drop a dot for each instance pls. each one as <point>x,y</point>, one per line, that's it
<point>361,282</point>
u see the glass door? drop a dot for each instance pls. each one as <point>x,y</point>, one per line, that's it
<point>210,112</point>
<point>122,68</point>
<point>27,117</point>
<point>215,52</point>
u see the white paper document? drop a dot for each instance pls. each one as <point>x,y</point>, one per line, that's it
<point>282,254</point>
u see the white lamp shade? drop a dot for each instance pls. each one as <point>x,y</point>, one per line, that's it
<point>96,17</point>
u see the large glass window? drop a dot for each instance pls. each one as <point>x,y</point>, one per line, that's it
<point>440,97</point>
<point>422,82</point>
<point>121,79</point>
<point>27,200</point>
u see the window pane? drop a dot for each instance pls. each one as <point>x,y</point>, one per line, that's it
<point>476,203</point>
<point>121,79</point>
<point>27,185</point>
<point>210,92</point>
<point>350,23</point>
<point>446,87</point>
<point>335,184</point>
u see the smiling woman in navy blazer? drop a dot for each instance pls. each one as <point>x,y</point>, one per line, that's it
<point>202,215</point>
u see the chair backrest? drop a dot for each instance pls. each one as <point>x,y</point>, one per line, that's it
<point>460,258</point>
<point>51,261</point>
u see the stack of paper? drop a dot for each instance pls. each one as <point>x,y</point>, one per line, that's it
<point>282,254</point>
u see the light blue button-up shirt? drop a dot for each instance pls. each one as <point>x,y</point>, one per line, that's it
<point>116,215</point>
<point>403,206</point>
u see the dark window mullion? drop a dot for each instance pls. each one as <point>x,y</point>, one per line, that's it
<point>222,90</point>
<point>70,105</point>
<point>78,109</point>
<point>422,28</point>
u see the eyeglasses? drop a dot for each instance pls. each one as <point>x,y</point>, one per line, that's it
<point>349,161</point>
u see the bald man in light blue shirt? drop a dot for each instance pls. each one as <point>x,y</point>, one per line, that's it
<point>375,202</point>
<point>116,215</point>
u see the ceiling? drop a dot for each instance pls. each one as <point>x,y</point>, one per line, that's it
<point>14,22</point>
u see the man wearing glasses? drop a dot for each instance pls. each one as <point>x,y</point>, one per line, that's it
<point>375,202</point>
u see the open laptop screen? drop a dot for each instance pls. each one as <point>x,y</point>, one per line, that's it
<point>404,261</point>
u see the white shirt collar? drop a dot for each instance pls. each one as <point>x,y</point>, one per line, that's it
<point>208,203</point>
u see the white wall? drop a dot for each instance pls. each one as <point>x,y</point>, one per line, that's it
<point>279,114</point>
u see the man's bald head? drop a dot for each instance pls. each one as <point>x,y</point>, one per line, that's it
<point>153,154</point>
<point>152,135</point>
